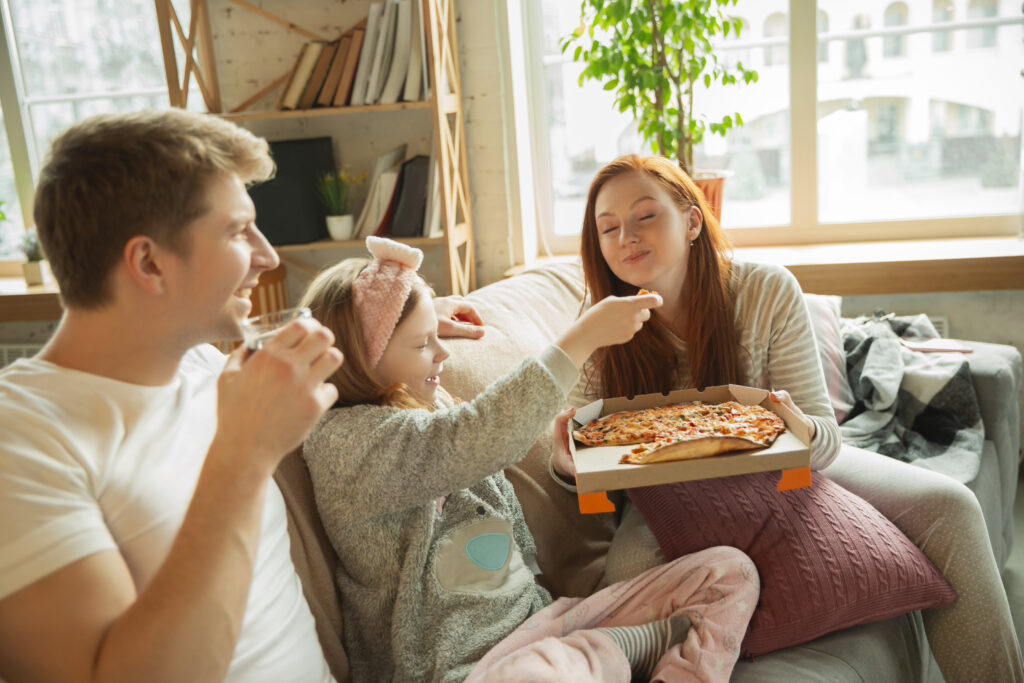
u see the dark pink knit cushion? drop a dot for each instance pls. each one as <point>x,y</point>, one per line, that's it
<point>828,560</point>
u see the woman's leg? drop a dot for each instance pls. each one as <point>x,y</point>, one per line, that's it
<point>716,589</point>
<point>973,639</point>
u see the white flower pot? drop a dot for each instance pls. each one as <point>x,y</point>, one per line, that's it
<point>340,227</point>
<point>37,273</point>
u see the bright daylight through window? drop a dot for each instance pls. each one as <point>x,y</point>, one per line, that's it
<point>914,122</point>
<point>77,58</point>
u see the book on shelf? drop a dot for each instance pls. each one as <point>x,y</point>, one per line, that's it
<point>318,75</point>
<point>432,211</point>
<point>382,54</point>
<point>411,197</point>
<point>366,53</point>
<point>287,207</point>
<point>344,89</point>
<point>390,186</point>
<point>376,204</point>
<point>303,69</point>
<point>334,72</point>
<point>416,76</point>
<point>402,48</point>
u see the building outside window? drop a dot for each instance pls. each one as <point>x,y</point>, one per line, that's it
<point>927,145</point>
<point>65,61</point>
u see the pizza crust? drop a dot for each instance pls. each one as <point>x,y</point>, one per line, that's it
<point>691,450</point>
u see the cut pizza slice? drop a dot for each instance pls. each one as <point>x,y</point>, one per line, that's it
<point>691,449</point>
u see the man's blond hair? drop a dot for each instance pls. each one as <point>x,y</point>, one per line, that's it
<point>114,176</point>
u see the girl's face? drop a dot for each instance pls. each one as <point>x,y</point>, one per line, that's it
<point>415,356</point>
<point>644,235</point>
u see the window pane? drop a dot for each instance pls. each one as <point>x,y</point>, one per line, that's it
<point>83,57</point>
<point>756,154</point>
<point>585,129</point>
<point>10,229</point>
<point>924,127</point>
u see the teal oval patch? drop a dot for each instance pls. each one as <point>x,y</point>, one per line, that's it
<point>489,551</point>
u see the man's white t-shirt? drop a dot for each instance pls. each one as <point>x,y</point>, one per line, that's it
<point>88,463</point>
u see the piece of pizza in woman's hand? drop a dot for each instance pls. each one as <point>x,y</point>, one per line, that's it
<point>561,458</point>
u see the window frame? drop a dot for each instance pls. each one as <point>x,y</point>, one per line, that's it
<point>804,226</point>
<point>17,121</point>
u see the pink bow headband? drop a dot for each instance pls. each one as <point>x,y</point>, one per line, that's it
<point>381,290</point>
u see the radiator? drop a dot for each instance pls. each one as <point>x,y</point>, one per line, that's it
<point>12,352</point>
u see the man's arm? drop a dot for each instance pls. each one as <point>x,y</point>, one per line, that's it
<point>457,318</point>
<point>86,622</point>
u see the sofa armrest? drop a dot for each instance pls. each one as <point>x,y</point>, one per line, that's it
<point>996,373</point>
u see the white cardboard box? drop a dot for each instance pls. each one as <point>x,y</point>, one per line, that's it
<point>598,468</point>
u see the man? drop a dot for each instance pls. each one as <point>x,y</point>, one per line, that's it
<point>142,537</point>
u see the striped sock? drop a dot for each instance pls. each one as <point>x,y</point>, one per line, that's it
<point>644,645</point>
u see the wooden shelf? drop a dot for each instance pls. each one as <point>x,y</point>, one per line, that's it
<point>449,137</point>
<point>272,115</point>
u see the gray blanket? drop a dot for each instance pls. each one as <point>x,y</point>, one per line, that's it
<point>917,407</point>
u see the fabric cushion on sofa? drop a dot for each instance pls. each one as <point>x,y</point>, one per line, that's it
<point>825,321</point>
<point>828,560</point>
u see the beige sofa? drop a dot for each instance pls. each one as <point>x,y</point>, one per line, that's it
<point>525,313</point>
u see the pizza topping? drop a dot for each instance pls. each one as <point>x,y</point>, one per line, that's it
<point>688,430</point>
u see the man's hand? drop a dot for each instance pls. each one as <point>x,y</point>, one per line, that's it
<point>457,318</point>
<point>268,400</point>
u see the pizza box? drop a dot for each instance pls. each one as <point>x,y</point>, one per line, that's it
<point>598,468</point>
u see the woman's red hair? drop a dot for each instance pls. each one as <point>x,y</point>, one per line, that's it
<point>647,363</point>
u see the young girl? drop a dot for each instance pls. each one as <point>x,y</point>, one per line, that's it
<point>725,321</point>
<point>437,566</point>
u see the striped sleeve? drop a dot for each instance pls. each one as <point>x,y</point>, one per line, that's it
<point>776,332</point>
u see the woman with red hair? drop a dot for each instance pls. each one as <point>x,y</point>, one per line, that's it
<point>647,226</point>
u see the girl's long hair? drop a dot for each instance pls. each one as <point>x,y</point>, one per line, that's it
<point>647,363</point>
<point>329,297</point>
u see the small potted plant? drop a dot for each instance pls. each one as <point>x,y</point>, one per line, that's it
<point>35,269</point>
<point>334,189</point>
<point>655,55</point>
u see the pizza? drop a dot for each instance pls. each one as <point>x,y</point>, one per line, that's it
<point>683,431</point>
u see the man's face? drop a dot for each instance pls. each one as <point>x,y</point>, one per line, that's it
<point>223,258</point>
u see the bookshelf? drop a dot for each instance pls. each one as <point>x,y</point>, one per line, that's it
<point>191,39</point>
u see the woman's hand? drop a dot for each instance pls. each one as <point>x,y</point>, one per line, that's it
<point>613,320</point>
<point>561,459</point>
<point>782,396</point>
<point>457,318</point>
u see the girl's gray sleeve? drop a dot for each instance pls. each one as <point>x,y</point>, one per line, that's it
<point>384,459</point>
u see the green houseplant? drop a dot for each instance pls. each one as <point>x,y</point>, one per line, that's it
<point>656,55</point>
<point>334,189</point>
<point>35,269</point>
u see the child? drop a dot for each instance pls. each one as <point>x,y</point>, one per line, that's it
<point>437,566</point>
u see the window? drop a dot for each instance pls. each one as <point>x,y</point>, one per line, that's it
<point>904,148</point>
<point>70,59</point>
<point>942,10</point>
<point>895,15</point>
<point>982,37</point>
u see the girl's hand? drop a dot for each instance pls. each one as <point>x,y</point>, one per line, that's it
<point>782,396</point>
<point>613,320</point>
<point>561,459</point>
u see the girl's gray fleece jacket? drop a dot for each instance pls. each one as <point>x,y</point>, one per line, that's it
<point>436,562</point>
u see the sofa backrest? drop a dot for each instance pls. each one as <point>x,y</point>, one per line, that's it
<point>522,315</point>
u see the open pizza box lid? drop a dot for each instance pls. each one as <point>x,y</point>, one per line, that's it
<point>598,468</point>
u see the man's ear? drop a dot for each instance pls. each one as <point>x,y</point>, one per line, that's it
<point>141,258</point>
